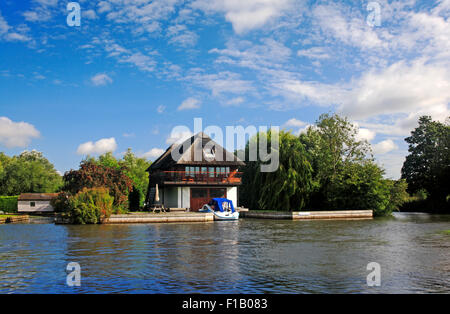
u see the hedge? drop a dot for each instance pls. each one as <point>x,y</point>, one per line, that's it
<point>8,204</point>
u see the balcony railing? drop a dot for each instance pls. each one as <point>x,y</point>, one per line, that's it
<point>197,177</point>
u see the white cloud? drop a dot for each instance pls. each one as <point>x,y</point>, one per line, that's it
<point>101,79</point>
<point>189,103</point>
<point>348,29</point>
<point>180,35</point>
<point>153,153</point>
<point>222,82</point>
<point>314,53</point>
<point>102,146</point>
<point>16,134</point>
<point>104,6</point>
<point>89,14</point>
<point>8,33</point>
<point>384,147</point>
<point>400,88</point>
<point>245,15</point>
<point>365,134</point>
<point>235,101</point>
<point>295,123</point>
<point>143,62</point>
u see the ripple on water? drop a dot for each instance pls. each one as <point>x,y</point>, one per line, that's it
<point>248,256</point>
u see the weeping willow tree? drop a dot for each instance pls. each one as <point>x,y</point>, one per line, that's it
<point>285,189</point>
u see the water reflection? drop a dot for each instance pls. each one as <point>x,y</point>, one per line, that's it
<point>248,256</point>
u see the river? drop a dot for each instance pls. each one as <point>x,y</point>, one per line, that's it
<point>247,256</point>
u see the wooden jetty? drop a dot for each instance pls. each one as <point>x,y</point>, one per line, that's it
<point>160,217</point>
<point>310,215</point>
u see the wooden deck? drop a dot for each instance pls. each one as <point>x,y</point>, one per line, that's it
<point>160,218</point>
<point>313,215</point>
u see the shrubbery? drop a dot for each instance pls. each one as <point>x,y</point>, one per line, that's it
<point>8,204</point>
<point>89,206</point>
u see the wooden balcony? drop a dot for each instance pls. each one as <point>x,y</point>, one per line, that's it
<point>195,178</point>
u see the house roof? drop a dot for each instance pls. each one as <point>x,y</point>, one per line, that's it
<point>37,196</point>
<point>199,149</point>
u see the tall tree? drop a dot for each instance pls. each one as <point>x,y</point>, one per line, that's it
<point>333,149</point>
<point>30,172</point>
<point>287,188</point>
<point>134,167</point>
<point>428,164</point>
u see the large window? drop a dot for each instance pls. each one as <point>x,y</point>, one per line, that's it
<point>221,193</point>
<point>199,193</point>
<point>211,172</point>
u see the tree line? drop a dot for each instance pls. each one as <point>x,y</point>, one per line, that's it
<point>329,168</point>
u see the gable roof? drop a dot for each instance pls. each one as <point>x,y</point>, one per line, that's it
<point>198,146</point>
<point>37,196</point>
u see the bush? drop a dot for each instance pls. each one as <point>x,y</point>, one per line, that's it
<point>8,204</point>
<point>90,206</point>
<point>61,203</point>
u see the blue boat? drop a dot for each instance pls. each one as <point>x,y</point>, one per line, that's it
<point>222,208</point>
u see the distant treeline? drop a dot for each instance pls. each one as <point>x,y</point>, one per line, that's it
<point>328,168</point>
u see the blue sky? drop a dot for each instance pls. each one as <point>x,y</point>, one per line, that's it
<point>134,70</point>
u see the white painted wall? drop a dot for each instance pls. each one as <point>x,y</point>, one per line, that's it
<point>41,206</point>
<point>232,195</point>
<point>184,197</point>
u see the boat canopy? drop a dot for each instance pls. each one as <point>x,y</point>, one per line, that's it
<point>221,201</point>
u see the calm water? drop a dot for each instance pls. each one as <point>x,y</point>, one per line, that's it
<point>248,256</point>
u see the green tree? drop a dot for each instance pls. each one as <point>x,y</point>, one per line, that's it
<point>345,176</point>
<point>286,189</point>
<point>30,172</point>
<point>135,168</point>
<point>137,172</point>
<point>90,206</point>
<point>428,164</point>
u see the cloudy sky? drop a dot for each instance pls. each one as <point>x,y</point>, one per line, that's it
<point>134,70</point>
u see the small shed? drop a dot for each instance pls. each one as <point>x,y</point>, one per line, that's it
<point>35,202</point>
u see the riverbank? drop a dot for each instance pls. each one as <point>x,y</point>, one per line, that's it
<point>169,217</point>
<point>12,218</point>
<point>313,215</point>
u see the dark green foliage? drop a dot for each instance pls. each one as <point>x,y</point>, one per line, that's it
<point>286,189</point>
<point>61,203</point>
<point>427,167</point>
<point>134,199</point>
<point>90,206</point>
<point>325,168</point>
<point>8,204</point>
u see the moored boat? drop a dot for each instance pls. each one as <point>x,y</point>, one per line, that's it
<point>222,209</point>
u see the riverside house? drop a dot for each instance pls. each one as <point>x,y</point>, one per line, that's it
<point>188,175</point>
<point>35,202</point>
